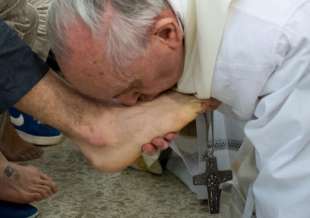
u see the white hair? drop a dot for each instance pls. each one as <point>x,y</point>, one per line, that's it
<point>126,32</point>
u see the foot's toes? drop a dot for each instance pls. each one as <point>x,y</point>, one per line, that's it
<point>33,197</point>
<point>39,178</point>
<point>44,187</point>
<point>47,181</point>
<point>44,191</point>
<point>48,191</point>
<point>25,197</point>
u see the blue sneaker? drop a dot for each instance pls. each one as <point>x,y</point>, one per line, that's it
<point>33,131</point>
<point>13,210</point>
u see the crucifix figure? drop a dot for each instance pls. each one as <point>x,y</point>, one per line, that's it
<point>212,178</point>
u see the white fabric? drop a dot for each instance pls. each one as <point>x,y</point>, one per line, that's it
<point>189,150</point>
<point>249,206</point>
<point>262,75</point>
<point>210,16</point>
<point>197,79</point>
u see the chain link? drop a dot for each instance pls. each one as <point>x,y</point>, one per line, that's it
<point>210,132</point>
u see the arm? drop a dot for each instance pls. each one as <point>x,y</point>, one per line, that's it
<point>53,102</point>
<point>24,82</point>
<point>281,137</point>
<point>281,131</point>
<point>20,68</point>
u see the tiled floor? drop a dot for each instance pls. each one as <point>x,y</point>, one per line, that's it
<point>85,193</point>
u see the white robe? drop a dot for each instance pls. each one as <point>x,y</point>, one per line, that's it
<point>262,76</point>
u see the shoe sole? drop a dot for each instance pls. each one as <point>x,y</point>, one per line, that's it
<point>34,215</point>
<point>40,140</point>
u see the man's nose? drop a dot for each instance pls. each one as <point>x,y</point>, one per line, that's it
<point>148,97</point>
<point>128,100</point>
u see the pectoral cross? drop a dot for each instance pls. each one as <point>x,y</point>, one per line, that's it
<point>212,178</point>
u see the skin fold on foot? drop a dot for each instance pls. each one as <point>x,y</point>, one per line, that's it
<point>134,126</point>
<point>23,184</point>
<point>14,148</point>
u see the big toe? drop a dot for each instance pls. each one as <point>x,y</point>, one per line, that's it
<point>30,197</point>
<point>24,197</point>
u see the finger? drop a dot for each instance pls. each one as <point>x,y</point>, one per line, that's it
<point>171,136</point>
<point>149,149</point>
<point>160,143</point>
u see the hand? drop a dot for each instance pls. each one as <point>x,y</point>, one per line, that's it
<point>159,144</point>
<point>162,143</point>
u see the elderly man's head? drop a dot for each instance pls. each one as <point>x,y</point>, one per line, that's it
<point>127,50</point>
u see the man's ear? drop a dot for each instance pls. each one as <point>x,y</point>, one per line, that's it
<point>168,31</point>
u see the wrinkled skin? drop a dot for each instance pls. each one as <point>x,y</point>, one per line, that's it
<point>172,111</point>
<point>157,69</point>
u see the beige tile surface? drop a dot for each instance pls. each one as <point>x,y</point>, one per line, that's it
<point>85,193</point>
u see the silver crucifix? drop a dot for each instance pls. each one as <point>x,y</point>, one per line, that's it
<point>212,178</point>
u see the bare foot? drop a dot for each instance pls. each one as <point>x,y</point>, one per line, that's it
<point>24,184</point>
<point>14,148</point>
<point>129,128</point>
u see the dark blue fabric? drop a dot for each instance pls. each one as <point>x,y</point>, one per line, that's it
<point>20,67</point>
<point>13,210</point>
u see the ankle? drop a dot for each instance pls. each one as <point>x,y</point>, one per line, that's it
<point>95,127</point>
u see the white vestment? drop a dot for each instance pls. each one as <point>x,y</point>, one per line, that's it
<point>262,76</point>
<point>197,79</point>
